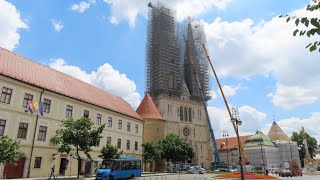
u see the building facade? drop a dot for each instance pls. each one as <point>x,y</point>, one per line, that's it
<point>173,60</point>
<point>63,97</point>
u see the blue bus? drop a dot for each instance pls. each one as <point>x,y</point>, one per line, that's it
<point>123,168</point>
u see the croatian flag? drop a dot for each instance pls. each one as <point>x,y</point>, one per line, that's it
<point>30,107</point>
<point>40,109</point>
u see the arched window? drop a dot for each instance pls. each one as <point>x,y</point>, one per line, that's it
<point>181,113</point>
<point>185,114</point>
<point>190,115</point>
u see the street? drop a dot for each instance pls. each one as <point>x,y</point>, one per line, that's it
<point>178,177</point>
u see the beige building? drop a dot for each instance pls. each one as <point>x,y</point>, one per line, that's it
<point>63,97</point>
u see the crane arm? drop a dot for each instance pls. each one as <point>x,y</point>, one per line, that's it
<point>226,103</point>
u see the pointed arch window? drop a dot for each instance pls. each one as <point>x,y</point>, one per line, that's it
<point>185,114</point>
<point>181,113</point>
<point>190,115</point>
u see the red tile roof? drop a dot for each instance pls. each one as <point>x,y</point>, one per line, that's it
<point>232,142</point>
<point>148,110</point>
<point>20,68</point>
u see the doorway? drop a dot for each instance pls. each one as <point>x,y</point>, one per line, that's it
<point>63,166</point>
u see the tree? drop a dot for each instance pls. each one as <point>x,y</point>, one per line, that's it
<point>9,151</point>
<point>312,145</point>
<point>77,133</point>
<point>151,152</point>
<point>110,152</point>
<point>313,29</point>
<point>175,149</point>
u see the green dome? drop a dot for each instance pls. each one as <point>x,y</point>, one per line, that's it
<point>256,139</point>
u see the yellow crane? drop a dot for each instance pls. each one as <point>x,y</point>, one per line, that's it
<point>244,157</point>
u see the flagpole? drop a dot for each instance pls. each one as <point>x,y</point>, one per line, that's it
<point>34,136</point>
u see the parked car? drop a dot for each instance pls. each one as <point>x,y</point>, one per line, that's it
<point>297,172</point>
<point>196,170</point>
<point>285,173</point>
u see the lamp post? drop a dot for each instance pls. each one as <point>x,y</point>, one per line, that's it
<point>236,120</point>
<point>262,159</point>
<point>226,135</point>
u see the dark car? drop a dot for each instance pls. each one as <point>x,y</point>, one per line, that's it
<point>285,173</point>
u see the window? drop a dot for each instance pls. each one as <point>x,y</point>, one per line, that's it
<point>26,100</point>
<point>97,143</point>
<point>46,105</point>
<point>185,114</point>
<point>69,111</point>
<point>181,113</point>
<point>2,126</point>
<point>109,121</point>
<point>136,145</point>
<point>190,116</point>
<point>119,124</point>
<point>42,133</point>
<point>136,128</point>
<point>6,95</point>
<point>108,140</point>
<point>128,126</point>
<point>22,132</point>
<point>86,113</point>
<point>37,162</point>
<point>128,144</point>
<point>99,117</point>
<point>119,143</point>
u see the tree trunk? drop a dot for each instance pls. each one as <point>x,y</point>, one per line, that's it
<point>78,162</point>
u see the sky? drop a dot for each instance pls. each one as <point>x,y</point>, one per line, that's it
<point>266,73</point>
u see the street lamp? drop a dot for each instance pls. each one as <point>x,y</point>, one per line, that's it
<point>262,159</point>
<point>226,135</point>
<point>236,120</point>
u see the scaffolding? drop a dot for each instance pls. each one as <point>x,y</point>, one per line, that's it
<point>174,54</point>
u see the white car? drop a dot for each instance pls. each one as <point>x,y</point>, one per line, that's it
<point>196,170</point>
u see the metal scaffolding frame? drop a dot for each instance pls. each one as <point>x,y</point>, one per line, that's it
<point>174,54</point>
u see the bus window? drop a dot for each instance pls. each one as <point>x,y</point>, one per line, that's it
<point>106,165</point>
<point>116,166</point>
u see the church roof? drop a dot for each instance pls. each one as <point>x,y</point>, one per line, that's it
<point>25,70</point>
<point>232,142</point>
<point>277,134</point>
<point>148,110</point>
<point>258,138</point>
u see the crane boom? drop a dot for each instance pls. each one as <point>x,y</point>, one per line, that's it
<point>213,139</point>
<point>226,103</point>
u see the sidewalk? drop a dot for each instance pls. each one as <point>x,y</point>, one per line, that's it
<point>145,174</point>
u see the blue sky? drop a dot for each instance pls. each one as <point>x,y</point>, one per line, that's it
<point>266,72</point>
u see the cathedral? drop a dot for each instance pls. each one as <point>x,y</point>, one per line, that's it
<point>173,102</point>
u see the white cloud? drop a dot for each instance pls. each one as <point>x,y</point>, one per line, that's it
<point>11,23</point>
<point>230,91</point>
<point>57,25</point>
<point>244,49</point>
<point>105,77</point>
<point>251,118</point>
<point>129,10</point>
<point>292,124</point>
<point>82,6</point>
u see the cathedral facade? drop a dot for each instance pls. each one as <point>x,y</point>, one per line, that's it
<point>173,63</point>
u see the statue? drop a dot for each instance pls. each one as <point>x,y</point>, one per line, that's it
<point>310,166</point>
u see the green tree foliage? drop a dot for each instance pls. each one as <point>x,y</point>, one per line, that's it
<point>310,26</point>
<point>79,134</point>
<point>151,152</point>
<point>9,151</point>
<point>110,152</point>
<point>312,145</point>
<point>175,149</point>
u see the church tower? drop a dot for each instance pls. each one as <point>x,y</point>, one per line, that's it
<point>173,57</point>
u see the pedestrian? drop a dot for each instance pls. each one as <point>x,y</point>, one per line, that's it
<point>52,173</point>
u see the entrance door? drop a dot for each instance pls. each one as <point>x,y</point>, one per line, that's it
<point>87,168</point>
<point>63,166</point>
<point>12,171</point>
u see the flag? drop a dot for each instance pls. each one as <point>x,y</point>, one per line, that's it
<point>30,107</point>
<point>35,105</point>
<point>40,110</point>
